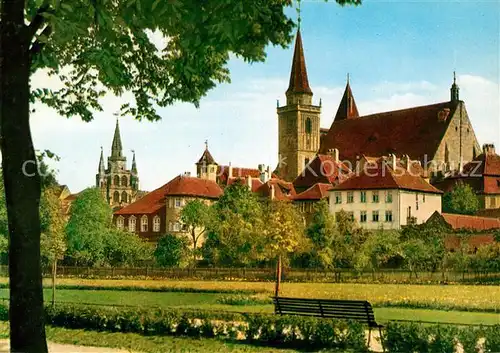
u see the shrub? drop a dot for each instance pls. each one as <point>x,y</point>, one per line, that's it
<point>469,338</point>
<point>172,251</point>
<point>406,338</point>
<point>442,339</point>
<point>492,339</point>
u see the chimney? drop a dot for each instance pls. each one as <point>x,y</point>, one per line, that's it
<point>272,192</point>
<point>249,182</point>
<point>392,161</point>
<point>262,175</point>
<point>230,171</point>
<point>489,148</point>
<point>334,153</point>
<point>407,162</point>
<point>187,174</point>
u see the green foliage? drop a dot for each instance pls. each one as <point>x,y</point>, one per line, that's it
<point>122,248</point>
<point>172,251</point>
<point>197,217</point>
<point>492,339</point>
<point>486,258</point>
<point>235,237</point>
<point>461,199</point>
<point>378,250</point>
<point>52,221</point>
<point>469,338</point>
<point>87,228</point>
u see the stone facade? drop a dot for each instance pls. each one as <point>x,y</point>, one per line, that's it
<point>119,185</point>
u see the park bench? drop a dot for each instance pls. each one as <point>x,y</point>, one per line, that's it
<point>356,310</point>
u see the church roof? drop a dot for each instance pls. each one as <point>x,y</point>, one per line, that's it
<point>381,175</point>
<point>299,82</point>
<point>179,186</point>
<point>223,173</point>
<point>459,221</point>
<point>347,107</point>
<point>206,158</point>
<point>322,169</point>
<point>415,131</point>
<point>316,192</point>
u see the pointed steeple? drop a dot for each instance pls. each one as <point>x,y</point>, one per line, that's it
<point>206,158</point>
<point>454,89</point>
<point>101,163</point>
<point>347,108</point>
<point>299,82</point>
<point>116,147</point>
<point>134,165</point>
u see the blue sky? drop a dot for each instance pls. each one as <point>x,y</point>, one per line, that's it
<point>398,53</point>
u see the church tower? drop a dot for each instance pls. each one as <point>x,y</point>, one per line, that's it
<point>347,107</point>
<point>298,120</point>
<point>206,167</point>
<point>118,185</point>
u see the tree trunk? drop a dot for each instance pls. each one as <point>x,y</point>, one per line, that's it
<point>22,184</point>
<point>54,270</point>
<point>193,234</point>
<point>278,277</point>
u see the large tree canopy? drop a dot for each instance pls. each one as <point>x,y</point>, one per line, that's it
<point>94,45</point>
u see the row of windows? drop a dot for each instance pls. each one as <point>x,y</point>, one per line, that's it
<point>123,181</point>
<point>375,216</point>
<point>124,197</point>
<point>363,197</point>
<point>132,223</point>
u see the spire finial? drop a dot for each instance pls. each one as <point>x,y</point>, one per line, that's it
<point>454,89</point>
<point>454,77</point>
<point>347,78</point>
<point>320,102</point>
<point>206,144</point>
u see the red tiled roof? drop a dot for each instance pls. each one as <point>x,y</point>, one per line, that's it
<point>322,169</point>
<point>316,192</point>
<point>416,132</point>
<point>380,175</point>
<point>473,241</point>
<point>179,186</point>
<point>298,77</point>
<point>283,190</point>
<point>347,107</point>
<point>223,173</point>
<point>458,221</point>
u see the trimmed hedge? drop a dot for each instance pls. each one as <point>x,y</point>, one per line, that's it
<point>412,337</point>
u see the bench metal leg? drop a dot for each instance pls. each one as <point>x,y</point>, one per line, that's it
<point>369,337</point>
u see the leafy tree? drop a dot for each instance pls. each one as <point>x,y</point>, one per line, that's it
<point>122,248</point>
<point>235,237</point>
<point>53,238</point>
<point>415,254</point>
<point>172,251</point>
<point>378,250</point>
<point>458,260</point>
<point>432,236</point>
<point>461,199</point>
<point>105,45</point>
<point>196,216</point>
<point>284,232</point>
<point>88,225</point>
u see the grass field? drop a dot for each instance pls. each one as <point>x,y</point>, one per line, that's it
<point>464,297</point>
<point>138,343</point>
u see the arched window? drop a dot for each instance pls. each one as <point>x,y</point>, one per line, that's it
<point>156,224</point>
<point>116,180</point>
<point>119,222</point>
<point>116,196</point>
<point>131,224</point>
<point>308,126</point>
<point>144,223</point>
<point>124,181</point>
<point>124,196</point>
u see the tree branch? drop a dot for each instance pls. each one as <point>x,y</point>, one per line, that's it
<point>38,20</point>
<point>37,46</point>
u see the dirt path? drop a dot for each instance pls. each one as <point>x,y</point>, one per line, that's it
<point>66,348</point>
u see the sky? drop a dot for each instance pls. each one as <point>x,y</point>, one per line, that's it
<point>399,54</point>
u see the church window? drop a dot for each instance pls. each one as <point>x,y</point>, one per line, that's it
<point>156,224</point>
<point>131,224</point>
<point>124,197</point>
<point>124,181</point>
<point>308,126</point>
<point>144,223</point>
<point>116,196</point>
<point>120,222</point>
<point>116,180</point>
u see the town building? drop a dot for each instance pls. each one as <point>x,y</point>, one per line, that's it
<point>385,194</point>
<point>158,212</point>
<point>119,185</point>
<point>482,174</point>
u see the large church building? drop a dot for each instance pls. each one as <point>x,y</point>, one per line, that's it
<point>439,136</point>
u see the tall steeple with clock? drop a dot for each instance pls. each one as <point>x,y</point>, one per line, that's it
<point>298,120</point>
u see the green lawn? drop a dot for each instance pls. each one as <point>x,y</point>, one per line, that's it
<point>209,301</point>
<point>147,344</point>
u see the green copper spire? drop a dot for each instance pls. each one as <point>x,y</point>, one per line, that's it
<point>116,147</point>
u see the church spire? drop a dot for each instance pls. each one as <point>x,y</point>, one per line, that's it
<point>134,165</point>
<point>455,97</point>
<point>347,108</point>
<point>101,163</point>
<point>299,82</point>
<point>116,147</point>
